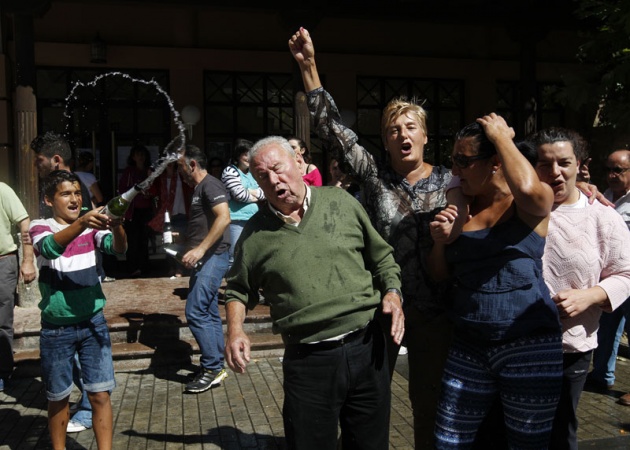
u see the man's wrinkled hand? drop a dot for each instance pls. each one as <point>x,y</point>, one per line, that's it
<point>392,305</point>
<point>237,351</point>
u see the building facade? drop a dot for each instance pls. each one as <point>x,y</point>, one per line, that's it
<point>109,74</point>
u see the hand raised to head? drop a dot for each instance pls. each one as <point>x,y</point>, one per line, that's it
<point>496,127</point>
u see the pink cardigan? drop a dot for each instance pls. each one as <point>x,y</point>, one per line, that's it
<point>587,246</point>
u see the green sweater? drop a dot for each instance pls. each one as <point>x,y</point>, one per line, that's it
<point>324,277</point>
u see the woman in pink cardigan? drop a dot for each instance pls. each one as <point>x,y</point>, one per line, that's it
<point>586,265</point>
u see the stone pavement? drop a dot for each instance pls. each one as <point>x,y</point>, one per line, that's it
<point>152,412</point>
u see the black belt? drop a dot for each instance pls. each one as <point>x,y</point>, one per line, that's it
<point>325,345</point>
<point>14,252</point>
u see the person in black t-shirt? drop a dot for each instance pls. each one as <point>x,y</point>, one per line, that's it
<point>209,217</point>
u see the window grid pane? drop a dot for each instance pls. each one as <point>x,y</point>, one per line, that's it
<point>368,92</point>
<point>246,105</point>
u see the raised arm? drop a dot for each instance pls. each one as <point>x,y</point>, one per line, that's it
<point>326,117</point>
<point>302,49</point>
<point>93,219</point>
<point>531,195</point>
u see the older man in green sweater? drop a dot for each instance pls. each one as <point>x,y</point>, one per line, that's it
<point>327,275</point>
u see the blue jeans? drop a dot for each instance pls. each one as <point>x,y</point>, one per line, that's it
<point>611,327</point>
<point>59,343</point>
<point>236,228</point>
<point>84,413</point>
<point>202,310</point>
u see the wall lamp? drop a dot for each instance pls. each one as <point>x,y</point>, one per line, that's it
<point>190,116</point>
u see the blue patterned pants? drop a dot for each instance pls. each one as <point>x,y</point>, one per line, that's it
<point>525,373</point>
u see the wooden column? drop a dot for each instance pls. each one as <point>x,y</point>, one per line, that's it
<point>25,112</point>
<point>302,119</point>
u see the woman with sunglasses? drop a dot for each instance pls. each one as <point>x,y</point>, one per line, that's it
<point>507,338</point>
<point>401,199</point>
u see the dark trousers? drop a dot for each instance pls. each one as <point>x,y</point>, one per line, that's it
<point>565,424</point>
<point>428,340</point>
<point>9,273</point>
<point>138,239</point>
<point>327,386</point>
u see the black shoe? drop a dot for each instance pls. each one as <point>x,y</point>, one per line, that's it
<point>205,380</point>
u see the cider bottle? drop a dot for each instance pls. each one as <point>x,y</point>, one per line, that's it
<point>167,231</point>
<point>117,206</point>
<point>178,256</point>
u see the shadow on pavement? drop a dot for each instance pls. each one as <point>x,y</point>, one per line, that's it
<point>224,437</point>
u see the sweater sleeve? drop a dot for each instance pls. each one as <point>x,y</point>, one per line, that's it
<point>49,248</point>
<point>378,255</point>
<point>615,275</point>
<point>44,243</point>
<point>232,181</point>
<point>241,286</point>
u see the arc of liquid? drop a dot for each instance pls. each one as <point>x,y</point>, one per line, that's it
<point>171,150</point>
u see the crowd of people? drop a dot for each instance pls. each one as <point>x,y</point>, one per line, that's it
<point>501,274</point>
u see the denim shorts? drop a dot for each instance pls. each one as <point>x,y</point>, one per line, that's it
<point>58,344</point>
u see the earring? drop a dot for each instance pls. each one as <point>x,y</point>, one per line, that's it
<point>493,172</point>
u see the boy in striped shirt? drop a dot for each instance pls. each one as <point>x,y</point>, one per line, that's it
<point>72,304</point>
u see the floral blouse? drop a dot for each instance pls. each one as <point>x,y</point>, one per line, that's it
<point>399,211</point>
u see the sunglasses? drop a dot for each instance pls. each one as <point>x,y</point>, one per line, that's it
<point>616,170</point>
<point>463,161</point>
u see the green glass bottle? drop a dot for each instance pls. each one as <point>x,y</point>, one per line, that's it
<point>117,206</point>
<point>172,252</point>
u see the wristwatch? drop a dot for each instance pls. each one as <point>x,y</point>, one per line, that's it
<point>395,291</point>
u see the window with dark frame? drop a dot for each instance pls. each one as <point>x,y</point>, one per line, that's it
<point>115,111</point>
<point>246,106</point>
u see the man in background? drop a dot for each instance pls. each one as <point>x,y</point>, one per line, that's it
<point>207,254</point>
<point>611,325</point>
<point>53,152</point>
<point>12,214</point>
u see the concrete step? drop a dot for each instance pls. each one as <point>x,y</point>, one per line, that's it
<point>140,356</point>
<point>147,325</point>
